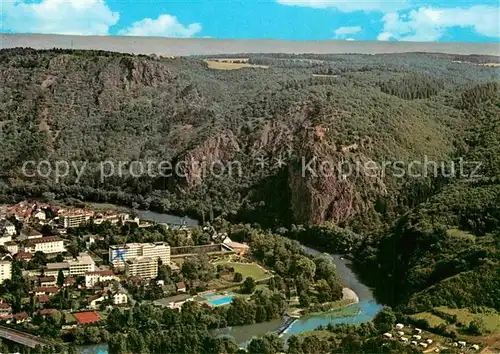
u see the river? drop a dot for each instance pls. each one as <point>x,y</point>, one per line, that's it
<point>368,306</point>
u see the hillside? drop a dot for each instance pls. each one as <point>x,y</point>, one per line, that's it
<point>97,106</point>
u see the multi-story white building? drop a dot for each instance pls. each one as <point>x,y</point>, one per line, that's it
<point>74,218</point>
<point>144,267</point>
<point>118,255</point>
<point>99,276</point>
<point>48,244</point>
<point>81,265</point>
<point>5,270</point>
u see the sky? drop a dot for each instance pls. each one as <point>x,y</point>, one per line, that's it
<point>393,20</point>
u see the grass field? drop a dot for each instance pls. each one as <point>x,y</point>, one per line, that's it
<point>69,318</point>
<point>433,320</point>
<point>491,320</point>
<point>247,270</point>
<point>232,66</point>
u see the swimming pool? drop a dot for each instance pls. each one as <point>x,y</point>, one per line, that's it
<point>221,301</point>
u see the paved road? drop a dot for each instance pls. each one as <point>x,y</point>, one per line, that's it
<point>23,338</point>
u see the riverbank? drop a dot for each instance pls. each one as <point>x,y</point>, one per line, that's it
<point>360,305</point>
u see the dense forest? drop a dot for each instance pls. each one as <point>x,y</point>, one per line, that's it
<point>424,239</point>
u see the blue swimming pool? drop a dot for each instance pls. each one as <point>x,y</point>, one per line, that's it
<point>225,300</point>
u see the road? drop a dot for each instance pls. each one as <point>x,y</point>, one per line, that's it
<point>23,338</point>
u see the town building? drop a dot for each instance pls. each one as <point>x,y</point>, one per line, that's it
<point>74,217</point>
<point>239,248</point>
<point>7,228</point>
<point>23,256</point>
<point>48,244</point>
<point>52,269</point>
<point>120,298</point>
<point>28,233</point>
<point>5,270</point>
<point>4,238</point>
<point>143,267</point>
<point>95,301</point>
<point>99,276</point>
<point>118,255</point>
<point>12,247</point>
<point>47,281</point>
<point>81,265</point>
<point>5,310</point>
<point>49,290</point>
<point>180,287</point>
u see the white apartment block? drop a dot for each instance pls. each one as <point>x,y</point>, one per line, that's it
<point>81,265</point>
<point>99,276</point>
<point>74,218</point>
<point>143,267</point>
<point>5,270</point>
<point>48,244</point>
<point>118,255</point>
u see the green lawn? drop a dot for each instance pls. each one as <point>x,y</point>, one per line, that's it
<point>247,270</point>
<point>433,320</point>
<point>491,320</point>
<point>69,318</point>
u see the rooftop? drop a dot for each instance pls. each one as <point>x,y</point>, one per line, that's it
<point>45,239</point>
<point>105,272</point>
<point>57,266</point>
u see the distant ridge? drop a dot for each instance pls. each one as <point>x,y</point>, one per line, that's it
<point>206,46</point>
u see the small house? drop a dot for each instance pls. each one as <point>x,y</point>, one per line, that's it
<point>401,333</point>
<point>387,335</point>
<point>404,339</point>
<point>20,317</point>
<point>180,287</point>
<point>417,337</point>
<point>399,326</point>
<point>423,345</point>
<point>429,341</point>
<point>418,330</point>
<point>475,347</point>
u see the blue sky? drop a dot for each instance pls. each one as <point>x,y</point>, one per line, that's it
<point>404,20</point>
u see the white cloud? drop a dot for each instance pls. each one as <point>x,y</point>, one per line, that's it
<point>164,26</point>
<point>343,32</point>
<point>350,5</point>
<point>430,24</point>
<point>85,17</point>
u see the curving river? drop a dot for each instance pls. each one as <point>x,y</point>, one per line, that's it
<point>368,306</point>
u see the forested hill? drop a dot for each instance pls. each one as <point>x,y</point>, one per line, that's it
<point>95,106</point>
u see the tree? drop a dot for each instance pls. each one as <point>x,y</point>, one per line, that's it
<point>248,286</point>
<point>238,277</point>
<point>477,327</point>
<point>268,344</point>
<point>60,278</point>
<point>384,320</point>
